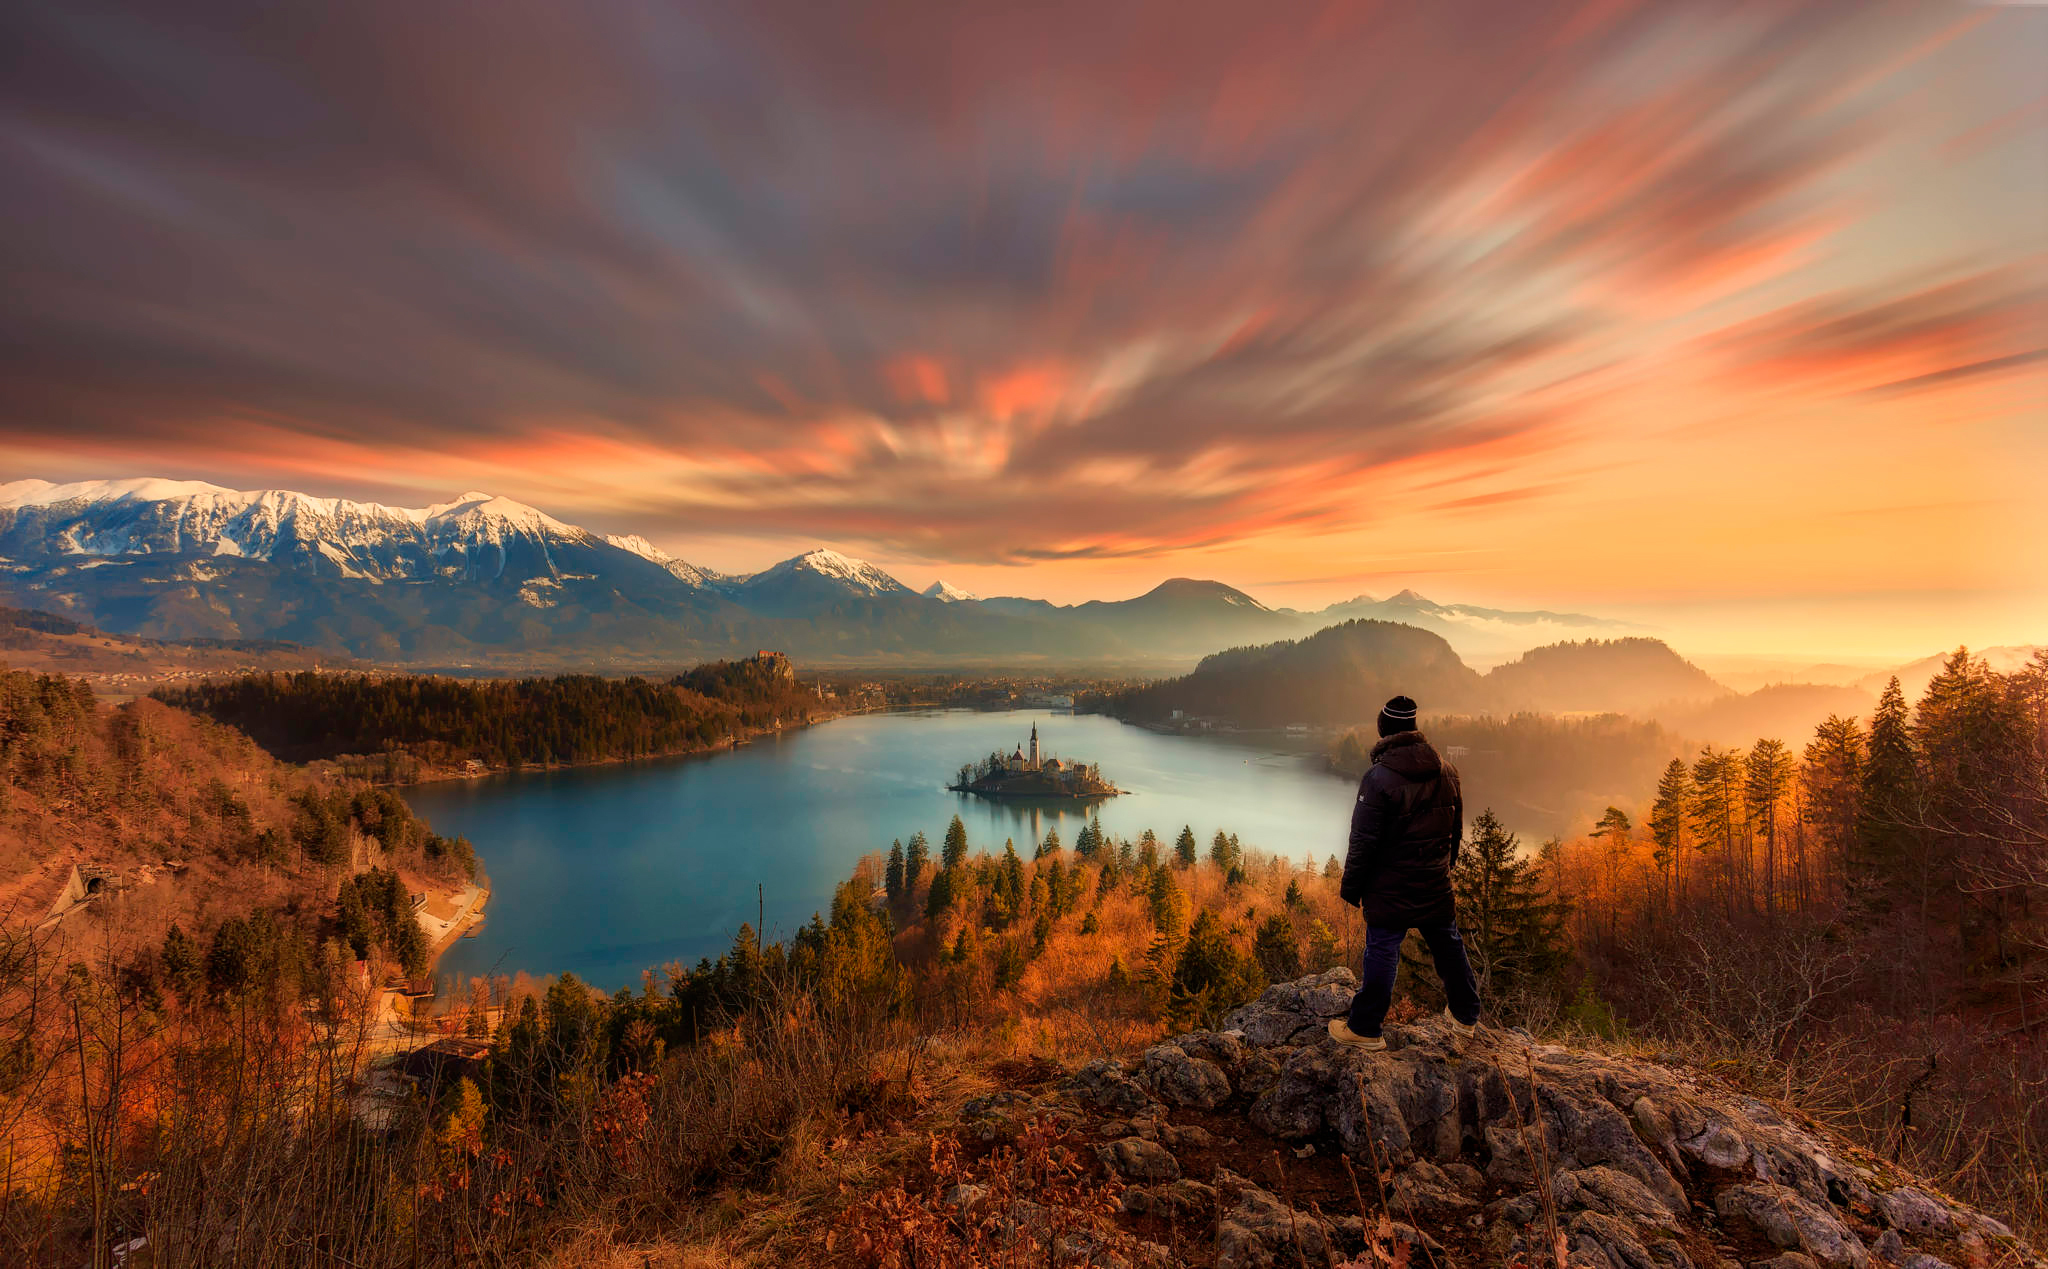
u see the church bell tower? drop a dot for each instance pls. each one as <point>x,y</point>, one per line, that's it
<point>1034,746</point>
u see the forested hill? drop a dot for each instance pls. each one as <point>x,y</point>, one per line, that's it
<point>188,825</point>
<point>409,722</point>
<point>1624,676</point>
<point>1338,675</point>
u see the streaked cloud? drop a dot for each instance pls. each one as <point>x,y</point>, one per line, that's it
<point>1057,284</point>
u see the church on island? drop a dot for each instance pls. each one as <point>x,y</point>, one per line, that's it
<point>1032,774</point>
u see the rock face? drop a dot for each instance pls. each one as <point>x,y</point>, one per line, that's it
<point>1644,1167</point>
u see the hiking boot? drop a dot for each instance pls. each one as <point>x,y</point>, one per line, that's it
<point>1460,1030</point>
<point>1341,1032</point>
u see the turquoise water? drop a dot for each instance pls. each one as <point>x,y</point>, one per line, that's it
<point>606,871</point>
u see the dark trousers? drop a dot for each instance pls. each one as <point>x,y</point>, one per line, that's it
<point>1383,958</point>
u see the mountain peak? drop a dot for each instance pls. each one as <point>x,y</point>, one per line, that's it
<point>1410,597</point>
<point>44,493</point>
<point>1202,588</point>
<point>947,593</point>
<point>853,573</point>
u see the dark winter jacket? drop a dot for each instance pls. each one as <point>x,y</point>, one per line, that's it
<point>1405,830</point>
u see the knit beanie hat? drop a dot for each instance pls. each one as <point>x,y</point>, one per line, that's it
<point>1397,715</point>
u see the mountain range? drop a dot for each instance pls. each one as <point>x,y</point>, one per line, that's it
<point>487,580</point>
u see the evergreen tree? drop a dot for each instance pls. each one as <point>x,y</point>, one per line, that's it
<point>1012,879</point>
<point>914,861</point>
<point>1050,845</point>
<point>1168,906</point>
<point>1667,823</point>
<point>1831,772</point>
<point>1513,923</point>
<point>892,872</point>
<point>941,896</point>
<point>1613,831</point>
<point>1277,950</point>
<point>1889,802</point>
<point>1716,808</point>
<point>1210,976</point>
<point>1766,779</point>
<point>1184,847</point>
<point>955,849</point>
<point>1224,852</point>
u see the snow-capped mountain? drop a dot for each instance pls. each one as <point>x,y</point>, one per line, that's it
<point>946,593</point>
<point>817,582</point>
<point>474,537</point>
<point>855,575</point>
<point>484,578</point>
<point>682,570</point>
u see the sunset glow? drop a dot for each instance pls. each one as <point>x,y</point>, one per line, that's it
<point>1731,321</point>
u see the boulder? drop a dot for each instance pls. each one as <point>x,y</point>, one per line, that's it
<point>1914,1211</point>
<point>1602,1189</point>
<point>1423,1192</point>
<point>1780,1214</point>
<point>1261,1231</point>
<point>1286,1011</point>
<point>1596,1241</point>
<point>1137,1159</point>
<point>1182,1200</point>
<point>1184,1080</point>
<point>1105,1085</point>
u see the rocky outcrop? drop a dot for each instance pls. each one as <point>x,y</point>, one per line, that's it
<point>1481,1144</point>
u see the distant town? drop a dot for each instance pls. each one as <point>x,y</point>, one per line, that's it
<point>1029,773</point>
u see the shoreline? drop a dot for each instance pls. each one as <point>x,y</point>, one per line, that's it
<point>738,740</point>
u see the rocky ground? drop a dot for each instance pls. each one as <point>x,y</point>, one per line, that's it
<point>1267,1144</point>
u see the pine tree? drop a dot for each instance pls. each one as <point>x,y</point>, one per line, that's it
<point>1831,772</point>
<point>1716,807</point>
<point>1049,846</point>
<point>892,872</point>
<point>954,851</point>
<point>941,896</point>
<point>1767,777</point>
<point>1012,884</point>
<point>1184,847</point>
<point>1277,950</point>
<point>1613,830</point>
<point>1889,805</point>
<point>1168,906</point>
<point>914,862</point>
<point>1513,922</point>
<point>1667,823</point>
<point>1224,852</point>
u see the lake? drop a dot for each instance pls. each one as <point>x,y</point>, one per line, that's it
<point>608,870</point>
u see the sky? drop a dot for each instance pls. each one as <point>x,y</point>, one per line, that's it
<point>1731,319</point>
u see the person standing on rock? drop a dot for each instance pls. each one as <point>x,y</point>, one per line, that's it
<point>1405,831</point>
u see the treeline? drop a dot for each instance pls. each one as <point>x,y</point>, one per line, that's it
<point>443,722</point>
<point>1868,911</point>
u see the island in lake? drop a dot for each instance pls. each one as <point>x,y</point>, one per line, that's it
<point>1032,775</point>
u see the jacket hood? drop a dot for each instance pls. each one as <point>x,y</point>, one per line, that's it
<point>1408,754</point>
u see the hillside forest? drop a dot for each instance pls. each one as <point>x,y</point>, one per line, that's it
<point>401,727</point>
<point>1855,928</point>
